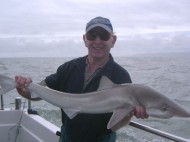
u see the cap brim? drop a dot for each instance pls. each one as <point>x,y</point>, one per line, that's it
<point>99,25</point>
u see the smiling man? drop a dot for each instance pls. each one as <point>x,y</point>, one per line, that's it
<point>83,75</point>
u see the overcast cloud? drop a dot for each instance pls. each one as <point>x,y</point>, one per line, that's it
<point>55,27</point>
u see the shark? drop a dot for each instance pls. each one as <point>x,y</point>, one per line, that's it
<point>118,99</point>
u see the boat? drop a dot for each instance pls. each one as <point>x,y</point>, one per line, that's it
<point>17,125</point>
<point>25,125</point>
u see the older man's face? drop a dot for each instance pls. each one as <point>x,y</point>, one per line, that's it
<point>99,42</point>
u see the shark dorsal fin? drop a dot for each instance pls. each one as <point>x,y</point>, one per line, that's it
<point>105,83</point>
<point>71,113</point>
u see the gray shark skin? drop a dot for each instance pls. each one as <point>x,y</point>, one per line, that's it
<point>119,99</point>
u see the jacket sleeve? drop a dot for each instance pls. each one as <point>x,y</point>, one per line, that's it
<point>120,75</point>
<point>54,81</point>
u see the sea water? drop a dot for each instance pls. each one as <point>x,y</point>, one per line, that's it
<point>167,73</point>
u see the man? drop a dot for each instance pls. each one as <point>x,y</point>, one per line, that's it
<point>83,75</point>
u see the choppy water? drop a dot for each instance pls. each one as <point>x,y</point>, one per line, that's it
<point>167,73</point>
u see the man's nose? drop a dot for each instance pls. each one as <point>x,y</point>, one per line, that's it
<point>97,39</point>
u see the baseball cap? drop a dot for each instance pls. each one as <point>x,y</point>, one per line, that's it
<point>99,22</point>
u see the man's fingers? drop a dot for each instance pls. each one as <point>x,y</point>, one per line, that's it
<point>22,82</point>
<point>140,112</point>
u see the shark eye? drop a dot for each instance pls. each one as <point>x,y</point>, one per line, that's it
<point>164,108</point>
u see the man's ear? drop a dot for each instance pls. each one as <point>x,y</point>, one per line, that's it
<point>114,39</point>
<point>84,39</point>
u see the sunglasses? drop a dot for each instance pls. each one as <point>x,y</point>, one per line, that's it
<point>103,35</point>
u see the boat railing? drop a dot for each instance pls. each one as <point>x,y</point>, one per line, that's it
<point>158,132</point>
<point>132,123</point>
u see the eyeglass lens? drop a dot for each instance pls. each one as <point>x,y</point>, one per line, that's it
<point>103,35</point>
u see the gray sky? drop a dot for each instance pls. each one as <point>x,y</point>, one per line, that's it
<point>55,27</point>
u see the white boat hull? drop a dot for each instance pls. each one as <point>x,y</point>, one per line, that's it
<point>33,128</point>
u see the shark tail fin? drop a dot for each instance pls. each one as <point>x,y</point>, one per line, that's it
<point>6,84</point>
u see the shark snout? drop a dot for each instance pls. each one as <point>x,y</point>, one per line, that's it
<point>183,113</point>
<point>180,112</point>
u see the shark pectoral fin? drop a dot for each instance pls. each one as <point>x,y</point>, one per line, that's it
<point>120,118</point>
<point>122,123</point>
<point>70,113</point>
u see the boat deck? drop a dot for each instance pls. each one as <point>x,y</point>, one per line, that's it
<point>16,126</point>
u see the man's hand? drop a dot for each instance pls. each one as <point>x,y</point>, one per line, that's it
<point>140,112</point>
<point>22,84</point>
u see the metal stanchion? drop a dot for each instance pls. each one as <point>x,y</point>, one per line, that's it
<point>2,103</point>
<point>18,103</point>
<point>29,104</point>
